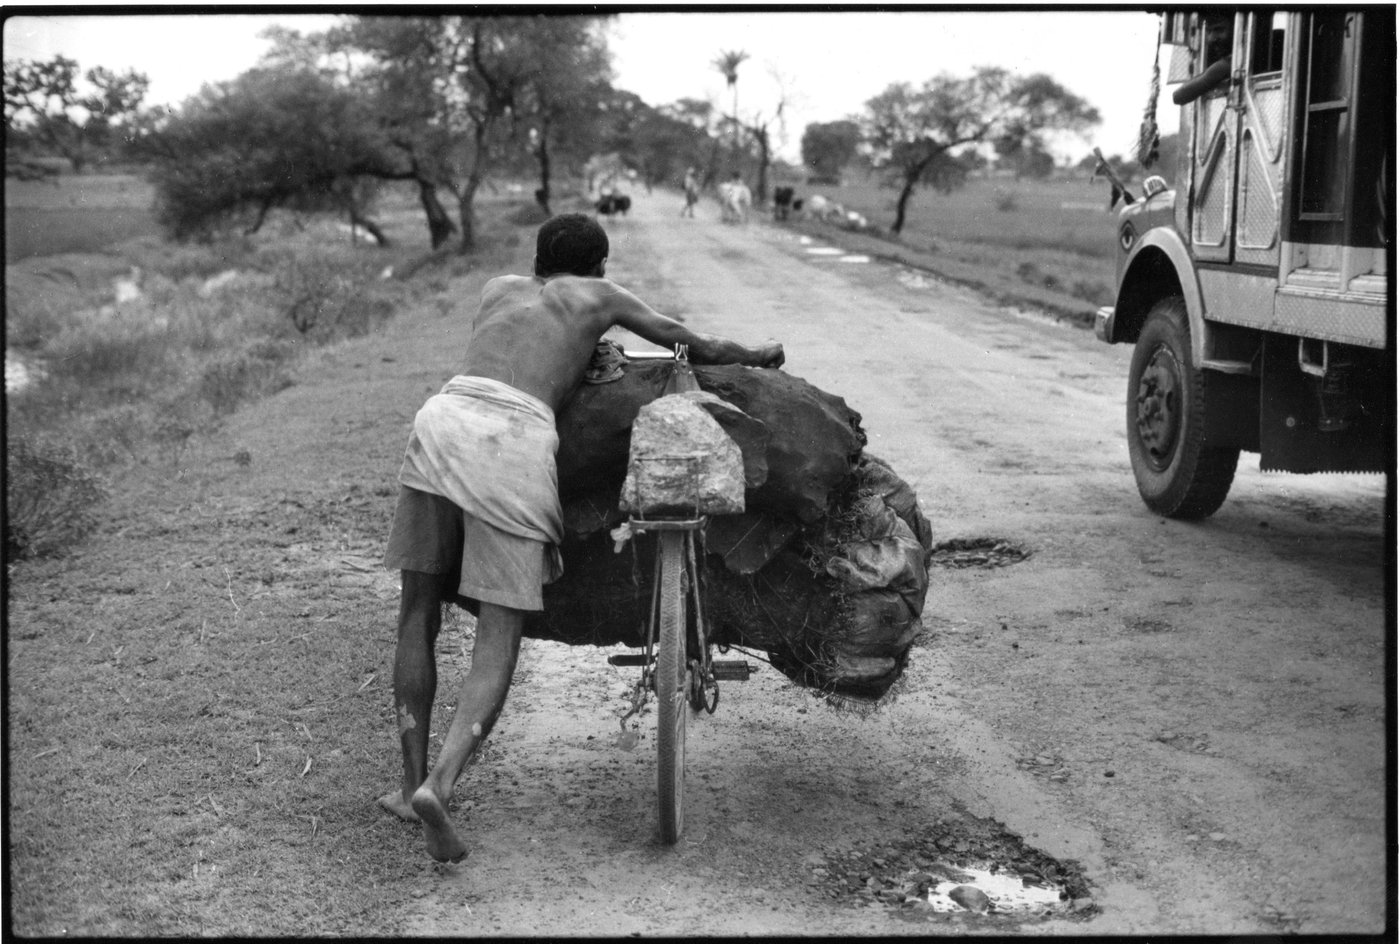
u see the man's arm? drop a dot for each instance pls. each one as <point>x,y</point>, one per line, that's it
<point>1217,72</point>
<point>637,316</point>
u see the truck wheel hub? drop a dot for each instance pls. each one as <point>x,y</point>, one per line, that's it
<point>1159,407</point>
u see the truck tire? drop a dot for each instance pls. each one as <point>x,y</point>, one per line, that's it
<point>1177,474</point>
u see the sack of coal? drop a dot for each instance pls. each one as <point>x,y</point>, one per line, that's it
<point>825,569</point>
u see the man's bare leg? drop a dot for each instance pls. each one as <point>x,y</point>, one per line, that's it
<point>494,654</point>
<point>415,683</point>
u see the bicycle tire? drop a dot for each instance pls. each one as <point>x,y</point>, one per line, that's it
<point>672,692</point>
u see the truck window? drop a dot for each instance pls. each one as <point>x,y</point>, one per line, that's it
<point>1266,46</point>
<point>1327,116</point>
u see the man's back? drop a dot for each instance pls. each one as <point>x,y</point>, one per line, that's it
<point>538,334</point>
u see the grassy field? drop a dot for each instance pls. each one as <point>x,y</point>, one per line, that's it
<point>71,214</point>
<point>122,349</point>
<point>1052,239</point>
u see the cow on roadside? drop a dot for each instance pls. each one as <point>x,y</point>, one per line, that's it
<point>820,208</point>
<point>735,199</point>
<point>614,204</point>
<point>782,203</point>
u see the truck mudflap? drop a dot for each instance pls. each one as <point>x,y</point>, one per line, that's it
<point>1315,424</point>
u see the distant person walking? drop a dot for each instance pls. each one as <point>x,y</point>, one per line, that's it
<point>692,193</point>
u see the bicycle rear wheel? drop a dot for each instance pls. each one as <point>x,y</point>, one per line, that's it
<point>671,689</point>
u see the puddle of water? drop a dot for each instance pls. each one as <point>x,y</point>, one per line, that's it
<point>1007,892</point>
<point>825,251</point>
<point>854,258</point>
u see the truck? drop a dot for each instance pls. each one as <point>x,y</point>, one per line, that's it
<point>1258,290</point>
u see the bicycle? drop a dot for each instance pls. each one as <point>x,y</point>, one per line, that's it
<point>682,670</point>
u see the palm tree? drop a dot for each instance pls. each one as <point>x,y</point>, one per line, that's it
<point>728,65</point>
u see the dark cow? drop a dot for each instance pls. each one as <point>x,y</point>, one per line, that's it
<point>615,204</point>
<point>783,202</point>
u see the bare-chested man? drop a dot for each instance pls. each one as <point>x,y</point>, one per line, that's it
<point>478,513</point>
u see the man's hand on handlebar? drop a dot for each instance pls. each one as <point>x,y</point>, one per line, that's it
<point>770,355</point>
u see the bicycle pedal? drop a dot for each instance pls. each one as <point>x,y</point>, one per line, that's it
<point>629,658</point>
<point>731,670</point>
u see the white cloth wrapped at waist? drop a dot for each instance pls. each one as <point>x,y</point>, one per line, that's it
<point>490,449</point>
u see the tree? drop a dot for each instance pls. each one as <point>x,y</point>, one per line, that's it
<point>828,147</point>
<point>728,65</point>
<point>1026,157</point>
<point>912,131</point>
<point>659,142</point>
<point>563,94</point>
<point>759,131</point>
<point>402,92</point>
<point>453,93</point>
<point>700,115</point>
<point>43,102</point>
<point>271,137</point>
<point>759,128</point>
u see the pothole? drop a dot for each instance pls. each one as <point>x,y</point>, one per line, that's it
<point>977,552</point>
<point>961,867</point>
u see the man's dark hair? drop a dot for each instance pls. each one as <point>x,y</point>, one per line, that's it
<point>1219,45</point>
<point>570,243</point>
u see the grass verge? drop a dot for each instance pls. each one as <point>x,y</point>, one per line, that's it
<point>198,716</point>
<point>1045,245</point>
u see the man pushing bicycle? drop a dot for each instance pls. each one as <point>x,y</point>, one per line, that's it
<point>478,513</point>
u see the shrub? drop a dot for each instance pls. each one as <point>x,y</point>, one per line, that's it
<point>361,313</point>
<point>103,353</point>
<point>328,300</point>
<point>50,499</point>
<point>230,380</point>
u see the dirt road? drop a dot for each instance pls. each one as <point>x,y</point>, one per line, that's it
<point>1194,714</point>
<point>1184,725</point>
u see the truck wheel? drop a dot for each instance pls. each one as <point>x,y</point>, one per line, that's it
<point>1177,474</point>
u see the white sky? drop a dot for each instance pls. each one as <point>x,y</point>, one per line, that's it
<point>830,63</point>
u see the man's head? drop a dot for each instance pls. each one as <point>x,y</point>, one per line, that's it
<point>1219,30</point>
<point>571,244</point>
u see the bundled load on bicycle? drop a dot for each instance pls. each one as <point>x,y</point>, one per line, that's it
<point>809,549</point>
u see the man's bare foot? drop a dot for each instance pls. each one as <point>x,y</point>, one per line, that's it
<point>443,844</point>
<point>394,802</point>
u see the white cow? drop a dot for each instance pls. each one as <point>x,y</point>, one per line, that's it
<point>735,198</point>
<point>820,208</point>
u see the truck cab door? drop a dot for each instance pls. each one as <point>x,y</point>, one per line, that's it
<point>1263,139</point>
<point>1214,122</point>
